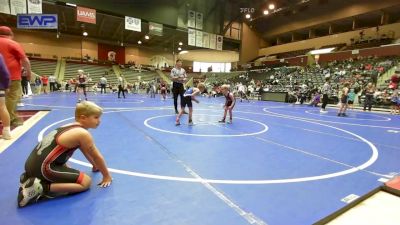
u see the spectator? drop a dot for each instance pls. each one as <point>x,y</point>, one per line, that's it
<point>4,84</point>
<point>38,83</point>
<point>24,82</point>
<point>52,81</point>
<point>369,96</point>
<point>45,82</point>
<point>15,58</point>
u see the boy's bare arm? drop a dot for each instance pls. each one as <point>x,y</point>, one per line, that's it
<point>91,152</point>
<point>196,91</point>
<point>233,100</point>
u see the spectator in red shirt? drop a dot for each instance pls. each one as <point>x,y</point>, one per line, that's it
<point>15,58</point>
<point>45,82</point>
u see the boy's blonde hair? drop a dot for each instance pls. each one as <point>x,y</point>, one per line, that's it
<point>226,87</point>
<point>87,108</point>
<point>201,86</point>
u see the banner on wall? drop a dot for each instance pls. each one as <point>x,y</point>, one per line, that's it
<point>191,19</point>
<point>199,38</point>
<point>155,29</point>
<point>133,24</point>
<point>199,20</point>
<point>18,7</point>
<point>206,40</point>
<point>191,37</point>
<point>85,15</point>
<point>213,41</point>
<point>35,6</point>
<point>220,41</point>
<point>5,6</point>
<point>37,21</point>
<point>111,53</point>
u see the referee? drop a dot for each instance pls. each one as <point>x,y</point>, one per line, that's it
<point>178,76</point>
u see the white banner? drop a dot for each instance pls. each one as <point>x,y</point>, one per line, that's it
<point>18,7</point>
<point>133,24</point>
<point>206,40</point>
<point>4,6</point>
<point>199,21</point>
<point>191,37</point>
<point>220,41</point>
<point>213,41</point>
<point>191,19</point>
<point>35,6</point>
<point>199,38</point>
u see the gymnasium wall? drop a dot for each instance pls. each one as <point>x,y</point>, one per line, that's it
<point>314,18</point>
<point>170,13</point>
<point>294,61</point>
<point>250,44</point>
<point>49,46</point>
<point>393,50</point>
<point>380,51</point>
<point>143,56</point>
<point>330,39</point>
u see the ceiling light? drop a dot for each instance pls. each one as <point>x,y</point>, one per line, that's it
<point>147,37</point>
<point>266,12</point>
<point>179,48</point>
<point>321,51</point>
<point>139,42</point>
<point>71,4</point>
<point>247,16</point>
<point>180,43</point>
<point>271,6</point>
<point>85,33</point>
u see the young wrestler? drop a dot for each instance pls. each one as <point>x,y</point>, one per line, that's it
<point>394,99</point>
<point>316,99</point>
<point>188,96</point>
<point>343,100</point>
<point>351,98</point>
<point>46,173</point>
<point>82,81</point>
<point>163,89</point>
<point>229,102</point>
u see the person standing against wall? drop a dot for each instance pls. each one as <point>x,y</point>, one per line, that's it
<point>15,58</point>
<point>178,77</point>
<point>4,84</point>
